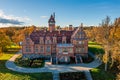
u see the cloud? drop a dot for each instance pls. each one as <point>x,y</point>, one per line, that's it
<point>11,19</point>
<point>43,16</point>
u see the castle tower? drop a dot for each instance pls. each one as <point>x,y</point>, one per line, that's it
<point>51,23</point>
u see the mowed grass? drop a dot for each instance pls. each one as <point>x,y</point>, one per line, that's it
<point>95,48</point>
<point>6,74</point>
<point>100,74</point>
<point>5,56</point>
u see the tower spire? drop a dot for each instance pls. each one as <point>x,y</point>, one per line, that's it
<point>54,15</point>
<point>51,23</point>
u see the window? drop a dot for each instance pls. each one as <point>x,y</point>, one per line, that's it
<point>77,42</point>
<point>71,50</point>
<point>60,50</point>
<point>27,42</point>
<point>54,49</point>
<point>63,39</point>
<point>81,50</point>
<point>48,49</point>
<point>28,49</point>
<point>51,22</point>
<point>36,49</point>
<point>54,40</point>
<point>47,41</point>
<point>64,42</point>
<point>80,36</point>
<point>77,49</point>
<point>41,40</point>
<point>65,50</point>
<point>41,49</point>
<point>81,42</point>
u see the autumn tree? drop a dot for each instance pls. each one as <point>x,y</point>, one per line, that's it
<point>106,40</point>
<point>10,32</point>
<point>57,27</point>
<point>4,41</point>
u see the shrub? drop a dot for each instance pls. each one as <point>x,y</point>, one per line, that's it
<point>29,63</point>
<point>72,76</point>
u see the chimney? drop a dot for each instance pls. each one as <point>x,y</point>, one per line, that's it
<point>34,27</point>
<point>70,27</point>
<point>45,29</point>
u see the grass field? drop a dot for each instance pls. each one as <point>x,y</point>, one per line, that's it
<point>100,74</point>
<point>6,74</point>
<point>95,48</point>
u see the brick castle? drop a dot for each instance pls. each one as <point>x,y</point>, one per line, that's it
<point>56,45</point>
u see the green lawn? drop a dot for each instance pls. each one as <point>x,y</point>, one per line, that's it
<point>13,48</point>
<point>6,74</point>
<point>95,48</point>
<point>100,74</point>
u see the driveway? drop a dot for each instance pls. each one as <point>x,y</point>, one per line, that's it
<point>53,68</point>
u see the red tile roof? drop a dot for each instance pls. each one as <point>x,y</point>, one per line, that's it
<point>35,35</point>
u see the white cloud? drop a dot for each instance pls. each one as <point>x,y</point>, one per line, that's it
<point>7,20</point>
<point>43,16</point>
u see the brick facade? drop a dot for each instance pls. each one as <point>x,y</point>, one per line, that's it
<point>60,44</point>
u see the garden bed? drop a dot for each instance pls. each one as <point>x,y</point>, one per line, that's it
<point>6,74</point>
<point>30,63</point>
<point>72,76</point>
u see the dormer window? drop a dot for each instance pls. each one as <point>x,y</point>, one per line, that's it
<point>27,42</point>
<point>63,39</point>
<point>54,40</point>
<point>41,40</point>
<point>81,42</point>
<point>27,38</point>
<point>48,41</point>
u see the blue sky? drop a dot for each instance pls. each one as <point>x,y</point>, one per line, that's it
<point>37,12</point>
